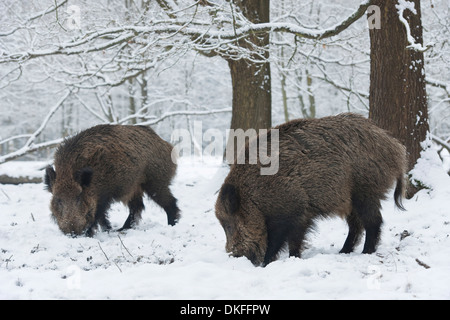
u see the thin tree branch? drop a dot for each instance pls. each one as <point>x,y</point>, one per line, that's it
<point>440,142</point>
<point>155,120</point>
<point>29,146</point>
<point>36,16</point>
<point>201,31</point>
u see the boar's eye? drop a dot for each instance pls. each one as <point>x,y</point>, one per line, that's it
<point>230,198</point>
<point>58,203</point>
<point>228,228</point>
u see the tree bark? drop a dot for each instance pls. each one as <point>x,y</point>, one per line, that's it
<point>252,93</point>
<point>251,81</point>
<point>398,101</point>
<point>252,96</point>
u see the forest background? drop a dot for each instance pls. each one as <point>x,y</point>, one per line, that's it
<point>67,65</point>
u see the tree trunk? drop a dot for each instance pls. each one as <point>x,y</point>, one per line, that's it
<point>251,82</point>
<point>252,98</point>
<point>398,101</point>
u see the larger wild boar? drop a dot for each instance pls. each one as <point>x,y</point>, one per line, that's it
<point>341,165</point>
<point>109,163</point>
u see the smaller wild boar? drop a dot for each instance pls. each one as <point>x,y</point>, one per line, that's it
<point>341,165</point>
<point>109,163</point>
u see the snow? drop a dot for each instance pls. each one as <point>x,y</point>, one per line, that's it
<point>18,169</point>
<point>401,7</point>
<point>188,260</point>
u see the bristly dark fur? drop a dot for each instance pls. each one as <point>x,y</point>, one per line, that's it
<point>108,163</point>
<point>342,165</point>
<point>50,176</point>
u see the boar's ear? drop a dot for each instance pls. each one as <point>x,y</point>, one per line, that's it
<point>230,198</point>
<point>84,177</point>
<point>49,179</point>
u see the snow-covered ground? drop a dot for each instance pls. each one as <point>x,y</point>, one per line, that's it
<point>188,261</point>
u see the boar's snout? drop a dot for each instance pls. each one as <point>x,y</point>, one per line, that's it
<point>251,254</point>
<point>73,207</point>
<point>72,227</point>
<point>244,227</point>
<point>72,218</point>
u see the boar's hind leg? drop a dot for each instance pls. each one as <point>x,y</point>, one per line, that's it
<point>369,213</point>
<point>136,207</point>
<point>354,234</point>
<point>164,198</point>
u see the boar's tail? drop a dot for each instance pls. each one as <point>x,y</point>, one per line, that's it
<point>399,192</point>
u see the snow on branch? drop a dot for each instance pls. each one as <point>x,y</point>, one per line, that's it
<point>30,146</point>
<point>401,7</point>
<point>154,120</point>
<point>441,142</point>
<point>329,32</point>
<point>34,17</point>
<point>201,31</point>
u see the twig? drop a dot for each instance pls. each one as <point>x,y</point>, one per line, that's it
<point>103,251</point>
<point>441,142</point>
<point>5,194</point>
<point>423,264</point>
<point>124,246</point>
<point>108,258</point>
<point>8,261</point>
<point>57,18</point>
<point>118,266</point>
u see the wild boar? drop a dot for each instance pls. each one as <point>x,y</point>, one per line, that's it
<point>108,163</point>
<point>339,165</point>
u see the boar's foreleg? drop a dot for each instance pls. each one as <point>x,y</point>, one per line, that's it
<point>101,217</point>
<point>136,206</point>
<point>354,234</point>
<point>278,232</point>
<point>297,234</point>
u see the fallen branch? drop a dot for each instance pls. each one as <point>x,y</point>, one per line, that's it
<point>5,179</point>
